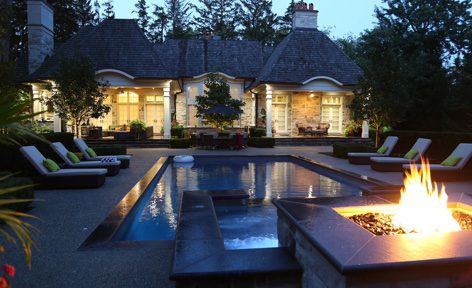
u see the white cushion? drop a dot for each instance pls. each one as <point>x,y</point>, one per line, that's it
<point>77,172</point>
<point>94,164</point>
<point>390,143</point>
<point>463,150</point>
<point>35,158</point>
<point>421,145</point>
<point>119,157</point>
<point>61,151</point>
<point>396,160</point>
<point>80,143</point>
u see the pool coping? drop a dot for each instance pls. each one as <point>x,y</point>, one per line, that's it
<point>102,235</point>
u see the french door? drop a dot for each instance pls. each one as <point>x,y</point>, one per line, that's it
<point>331,112</point>
<point>155,117</point>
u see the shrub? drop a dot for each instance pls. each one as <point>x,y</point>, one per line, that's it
<point>181,143</point>
<point>24,193</point>
<point>261,142</point>
<point>110,150</point>
<point>177,132</point>
<point>443,142</point>
<point>353,129</point>
<point>340,150</point>
<point>257,132</point>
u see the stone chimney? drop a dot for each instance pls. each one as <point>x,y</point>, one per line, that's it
<point>40,32</point>
<point>304,16</point>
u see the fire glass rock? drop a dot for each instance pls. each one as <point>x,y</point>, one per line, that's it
<point>381,224</point>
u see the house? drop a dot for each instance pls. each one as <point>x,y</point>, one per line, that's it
<point>303,81</point>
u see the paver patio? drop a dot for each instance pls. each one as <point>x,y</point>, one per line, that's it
<point>69,216</point>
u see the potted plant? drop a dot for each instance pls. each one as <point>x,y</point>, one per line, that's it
<point>138,127</point>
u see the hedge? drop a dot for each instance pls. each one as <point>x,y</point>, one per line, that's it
<point>110,150</point>
<point>177,132</point>
<point>261,142</point>
<point>257,132</point>
<point>24,193</point>
<point>443,142</point>
<point>340,150</point>
<point>180,143</point>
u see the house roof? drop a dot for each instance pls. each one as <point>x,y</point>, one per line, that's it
<point>120,44</point>
<point>114,44</point>
<point>305,54</point>
<point>190,58</point>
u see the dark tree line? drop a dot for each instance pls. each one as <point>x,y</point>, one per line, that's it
<point>417,64</point>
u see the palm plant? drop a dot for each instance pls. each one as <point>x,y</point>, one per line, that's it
<point>16,229</point>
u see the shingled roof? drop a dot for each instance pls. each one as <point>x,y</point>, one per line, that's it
<point>114,44</point>
<point>305,54</point>
<point>190,58</point>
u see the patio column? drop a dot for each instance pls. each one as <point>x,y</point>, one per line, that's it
<point>269,112</point>
<point>167,112</point>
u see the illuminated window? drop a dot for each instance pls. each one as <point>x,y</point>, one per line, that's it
<point>192,93</point>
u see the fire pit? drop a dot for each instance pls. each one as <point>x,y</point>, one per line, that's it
<point>418,238</point>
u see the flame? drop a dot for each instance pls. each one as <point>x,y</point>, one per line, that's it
<point>423,207</point>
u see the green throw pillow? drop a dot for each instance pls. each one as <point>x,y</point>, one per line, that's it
<point>411,154</point>
<point>72,157</point>
<point>451,161</point>
<point>51,165</point>
<point>91,153</point>
<point>382,150</point>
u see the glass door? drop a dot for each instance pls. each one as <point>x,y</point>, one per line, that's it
<point>128,108</point>
<point>279,113</point>
<point>155,117</point>
<point>331,112</point>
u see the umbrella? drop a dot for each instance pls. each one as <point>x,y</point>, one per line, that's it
<point>222,109</point>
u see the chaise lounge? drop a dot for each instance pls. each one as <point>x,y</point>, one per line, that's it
<point>63,178</point>
<point>456,167</point>
<point>113,168</point>
<point>83,147</point>
<point>395,164</point>
<point>384,151</point>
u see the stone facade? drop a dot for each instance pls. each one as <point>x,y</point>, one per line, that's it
<point>181,109</point>
<point>306,110</point>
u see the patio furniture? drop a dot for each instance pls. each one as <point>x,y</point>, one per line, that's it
<point>322,129</point>
<point>208,141</point>
<point>456,167</point>
<point>395,164</point>
<point>364,158</point>
<point>64,178</point>
<point>80,143</point>
<point>113,168</point>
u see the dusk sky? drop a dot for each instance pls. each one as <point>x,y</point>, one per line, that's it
<point>343,17</point>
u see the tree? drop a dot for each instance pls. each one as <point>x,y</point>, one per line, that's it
<point>65,19</point>
<point>5,19</point>
<point>178,13</point>
<point>379,99</point>
<point>259,22</point>
<point>285,22</point>
<point>84,13</point>
<point>427,36</point>
<point>108,12</point>
<point>77,95</point>
<point>18,30</point>
<point>96,7</point>
<point>143,16</point>
<point>157,28</point>
<point>217,93</point>
<point>220,17</point>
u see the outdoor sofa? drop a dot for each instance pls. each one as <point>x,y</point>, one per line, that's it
<point>458,170</point>
<point>364,158</point>
<point>113,168</point>
<point>395,164</point>
<point>64,178</point>
<point>80,143</point>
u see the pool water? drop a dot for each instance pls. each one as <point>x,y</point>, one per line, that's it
<point>155,216</point>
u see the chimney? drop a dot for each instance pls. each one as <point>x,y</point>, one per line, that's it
<point>304,16</point>
<point>40,32</point>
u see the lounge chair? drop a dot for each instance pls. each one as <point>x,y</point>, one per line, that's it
<point>364,158</point>
<point>64,178</point>
<point>395,164</point>
<point>461,171</point>
<point>80,143</point>
<point>112,167</point>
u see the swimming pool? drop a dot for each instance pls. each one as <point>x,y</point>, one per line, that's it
<point>155,215</point>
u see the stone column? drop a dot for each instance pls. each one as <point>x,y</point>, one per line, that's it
<point>269,112</point>
<point>167,112</point>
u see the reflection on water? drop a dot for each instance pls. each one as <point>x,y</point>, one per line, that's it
<point>262,178</point>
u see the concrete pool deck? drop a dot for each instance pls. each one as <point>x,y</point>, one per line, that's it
<point>69,216</point>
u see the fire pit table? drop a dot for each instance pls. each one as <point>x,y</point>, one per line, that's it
<point>336,252</point>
